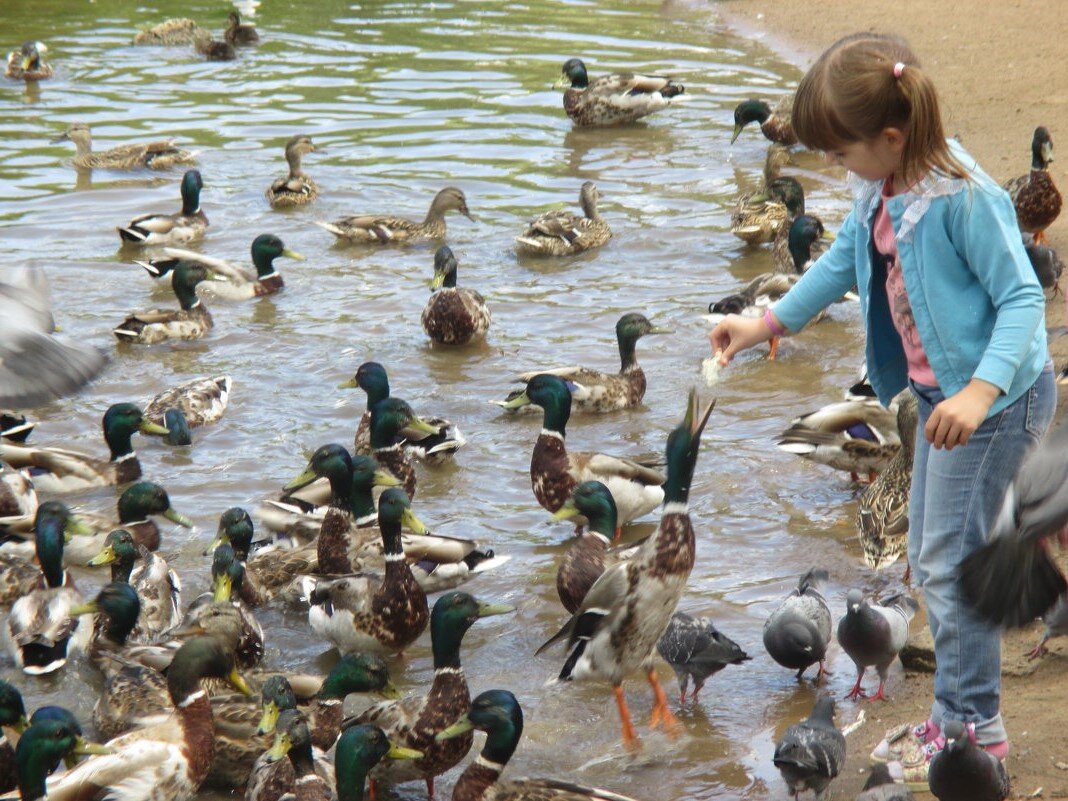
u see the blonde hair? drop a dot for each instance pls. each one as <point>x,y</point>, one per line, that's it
<point>868,82</point>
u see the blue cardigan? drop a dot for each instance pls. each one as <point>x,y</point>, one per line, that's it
<point>979,309</point>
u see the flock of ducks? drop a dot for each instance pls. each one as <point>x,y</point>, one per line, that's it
<point>347,546</point>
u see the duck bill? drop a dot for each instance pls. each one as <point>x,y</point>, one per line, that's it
<point>659,330</point>
<point>518,402</point>
<point>55,140</point>
<point>237,681</point>
<point>460,727</point>
<point>147,427</point>
<point>828,235</point>
<point>277,752</point>
<point>90,608</point>
<point>412,523</point>
<point>565,512</point>
<point>468,215</point>
<point>1047,151</point>
<point>75,527</point>
<point>223,589</point>
<point>384,478</point>
<point>269,718</point>
<point>26,62</point>
<point>178,517</point>
<point>303,480</point>
<point>400,752</point>
<point>390,691</point>
<point>419,424</point>
<point>292,254</point>
<point>438,281</point>
<point>350,384</point>
<point>105,557</point>
<point>563,82</point>
<point>737,131</point>
<point>220,539</point>
<point>84,747</point>
<point>489,610</point>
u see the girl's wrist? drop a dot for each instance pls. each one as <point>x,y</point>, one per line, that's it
<point>776,328</point>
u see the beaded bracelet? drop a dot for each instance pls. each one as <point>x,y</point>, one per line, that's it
<point>773,325</point>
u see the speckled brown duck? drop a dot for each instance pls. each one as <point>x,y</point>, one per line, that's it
<point>384,229</point>
<point>295,188</point>
<point>1035,196</point>
<point>561,233</point>
<point>614,99</point>
<point>453,315</point>
<point>28,64</point>
<point>158,155</point>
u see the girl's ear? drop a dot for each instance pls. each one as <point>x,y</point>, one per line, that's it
<point>895,139</point>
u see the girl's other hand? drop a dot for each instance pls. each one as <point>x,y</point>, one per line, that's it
<point>953,421</point>
<point>735,333</point>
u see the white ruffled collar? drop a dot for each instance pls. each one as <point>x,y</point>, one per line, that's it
<point>917,200</point>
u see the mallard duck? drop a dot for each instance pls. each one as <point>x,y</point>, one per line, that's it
<point>167,760</point>
<point>213,49</point>
<point>201,401</point>
<point>383,229</point>
<point>296,188</point>
<point>52,737</point>
<point>158,587</point>
<point>307,773</point>
<point>154,155</point>
<point>178,31</point>
<point>693,646</point>
<point>774,123</point>
<point>497,713</point>
<point>453,315</point>
<point>800,243</point>
<point>39,631</point>
<point>365,612</point>
<point>13,723</point>
<point>613,99</point>
<point>191,321</point>
<point>560,233</point>
<point>18,500</point>
<point>136,507</point>
<point>27,63</point>
<point>433,447</point>
<point>416,720</point>
<point>627,610</point>
<point>389,417</point>
<point>1035,196</point>
<point>759,216</point>
<point>855,435</point>
<point>15,427</point>
<point>57,470</point>
<point>757,296</point>
<point>227,576</point>
<point>883,509</point>
<point>594,391</point>
<point>169,229</point>
<point>238,34</point>
<point>587,557</point>
<point>554,472</point>
<point>19,573</point>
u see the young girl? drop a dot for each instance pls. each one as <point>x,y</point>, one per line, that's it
<point>953,309</point>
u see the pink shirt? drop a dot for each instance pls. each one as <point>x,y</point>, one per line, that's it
<point>919,369</point>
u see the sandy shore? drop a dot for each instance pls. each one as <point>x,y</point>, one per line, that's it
<point>999,73</point>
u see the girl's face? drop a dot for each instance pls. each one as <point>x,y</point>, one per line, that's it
<point>872,159</point>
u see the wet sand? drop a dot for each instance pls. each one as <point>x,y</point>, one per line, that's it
<point>995,91</point>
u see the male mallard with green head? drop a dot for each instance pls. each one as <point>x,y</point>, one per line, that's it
<point>158,155</point>
<point>497,713</point>
<point>619,623</point>
<point>27,63</point>
<point>453,315</point>
<point>800,243</point>
<point>50,739</point>
<point>13,723</point>
<point>238,34</point>
<point>297,188</point>
<point>588,555</point>
<point>595,392</point>
<point>169,229</point>
<point>201,401</point>
<point>383,229</point>
<point>1035,196</point>
<point>57,470</point>
<point>136,507</point>
<point>389,417</point>
<point>158,588</point>
<point>554,471</point>
<point>759,216</point>
<point>227,576</point>
<point>613,99</point>
<point>560,233</point>
<point>191,320</point>
<point>231,281</point>
<point>416,720</point>
<point>774,123</point>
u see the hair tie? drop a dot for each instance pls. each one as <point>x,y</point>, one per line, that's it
<point>899,68</point>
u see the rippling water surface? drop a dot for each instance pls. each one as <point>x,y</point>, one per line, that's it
<point>404,98</point>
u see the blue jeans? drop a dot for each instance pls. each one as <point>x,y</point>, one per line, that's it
<point>955,498</point>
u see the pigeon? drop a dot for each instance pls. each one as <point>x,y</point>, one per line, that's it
<point>1056,620</point>
<point>810,754</point>
<point>693,646</point>
<point>796,634</point>
<point>874,635</point>
<point>962,771</point>
<point>881,786</point>
<point>1012,579</point>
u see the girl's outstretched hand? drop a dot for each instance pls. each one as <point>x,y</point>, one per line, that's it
<point>954,420</point>
<point>735,333</point>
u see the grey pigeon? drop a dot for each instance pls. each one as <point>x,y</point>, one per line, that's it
<point>1013,579</point>
<point>962,771</point>
<point>1056,620</point>
<point>810,754</point>
<point>880,786</point>
<point>874,634</point>
<point>797,633</point>
<point>695,647</point>
<point>1048,265</point>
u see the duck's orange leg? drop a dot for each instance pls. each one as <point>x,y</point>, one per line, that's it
<point>661,713</point>
<point>774,348</point>
<point>630,737</point>
<point>372,790</point>
<point>1040,237</point>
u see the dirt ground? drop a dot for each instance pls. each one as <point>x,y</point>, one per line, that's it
<point>1001,72</point>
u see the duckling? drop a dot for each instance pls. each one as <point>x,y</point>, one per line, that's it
<point>57,470</point>
<point>213,49</point>
<point>296,188</point>
<point>774,123</point>
<point>759,216</point>
<point>168,229</point>
<point>559,233</point>
<point>191,321</point>
<point>238,34</point>
<point>383,229</point>
<point>415,721</point>
<point>800,243</point>
<point>1035,196</point>
<point>614,99</point>
<point>453,316</point>
<point>27,63</point>
<point>554,472</point>
<point>202,401</point>
<point>593,391</point>
<point>158,588</point>
<point>178,31</point>
<point>153,155</point>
